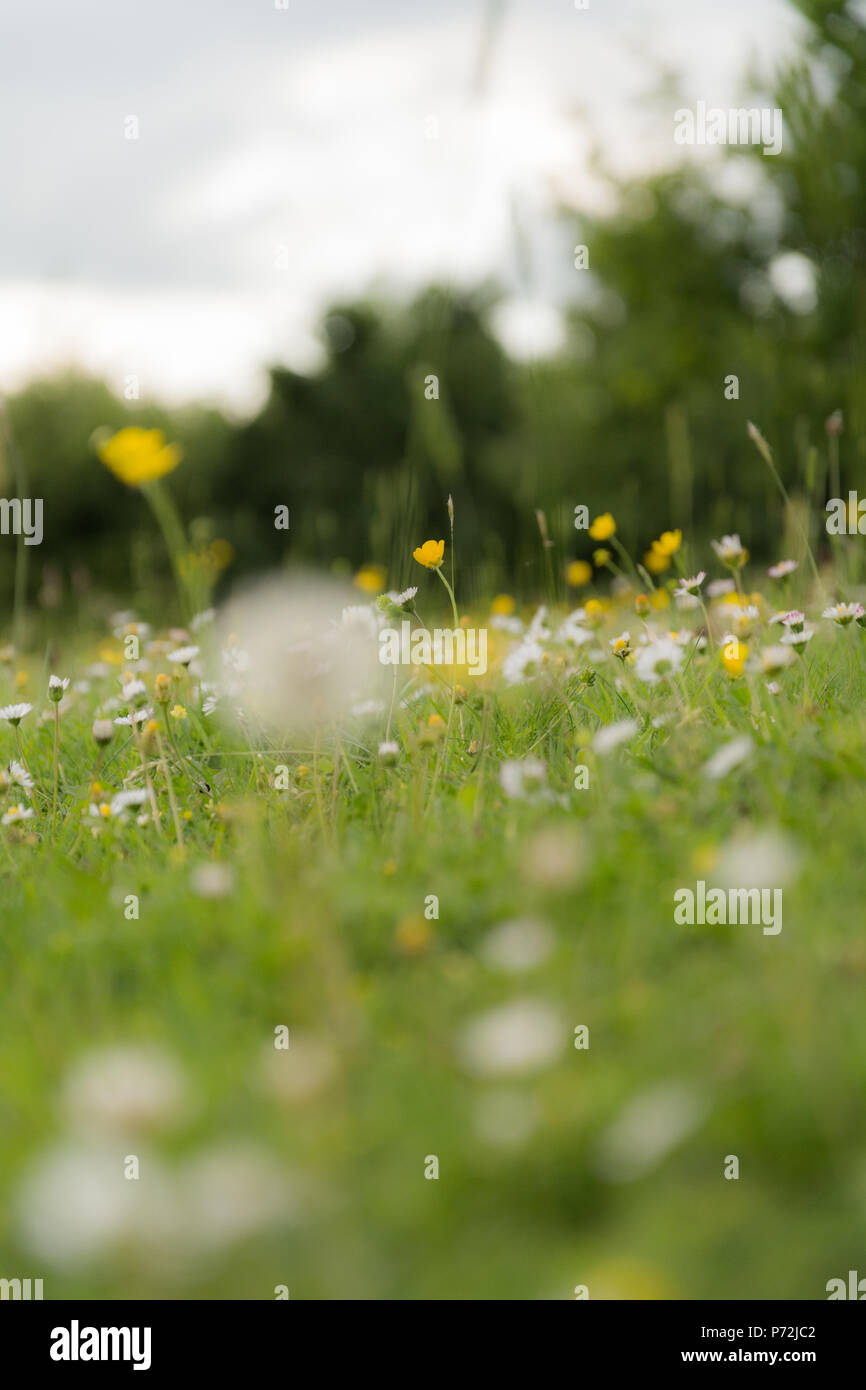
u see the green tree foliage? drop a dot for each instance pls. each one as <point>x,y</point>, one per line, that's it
<point>686,288</point>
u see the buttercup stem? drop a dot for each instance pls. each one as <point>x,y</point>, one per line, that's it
<point>451,596</point>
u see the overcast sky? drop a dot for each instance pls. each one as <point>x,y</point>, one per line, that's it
<point>287,157</point>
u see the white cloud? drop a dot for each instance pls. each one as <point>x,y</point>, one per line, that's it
<point>307,130</point>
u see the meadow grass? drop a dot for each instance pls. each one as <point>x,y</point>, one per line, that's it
<point>302,898</point>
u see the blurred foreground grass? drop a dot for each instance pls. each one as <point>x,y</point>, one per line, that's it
<point>298,900</point>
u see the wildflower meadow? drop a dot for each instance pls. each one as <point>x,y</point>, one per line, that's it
<point>378,978</point>
<point>432,672</point>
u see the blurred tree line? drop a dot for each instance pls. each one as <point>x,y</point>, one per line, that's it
<point>687,286</point>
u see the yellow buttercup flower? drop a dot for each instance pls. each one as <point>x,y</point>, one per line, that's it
<point>655,562</point>
<point>668,542</point>
<point>603,527</point>
<point>600,557</point>
<point>371,579</point>
<point>595,612</point>
<point>430,554</point>
<point>734,655</point>
<point>138,456</point>
<point>503,605</point>
<point>578,573</point>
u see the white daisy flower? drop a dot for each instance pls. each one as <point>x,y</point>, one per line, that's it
<point>231,1192</point>
<point>538,630</point>
<point>729,756</point>
<point>123,1090</point>
<point>202,619</point>
<point>774,688</point>
<point>690,586</point>
<point>571,631</point>
<point>647,1128</point>
<point>13,714</point>
<point>621,646</point>
<point>524,1036</point>
<point>524,779</point>
<point>612,735</point>
<point>517,945</point>
<point>69,1208</point>
<point>758,857</point>
<point>844,613</point>
<point>212,881</point>
<point>121,801</point>
<point>797,637</point>
<point>775,658</point>
<point>731,551</point>
<point>118,806</point>
<point>132,691</point>
<point>362,619</point>
<point>783,568</point>
<point>792,619</point>
<point>717,588</point>
<point>404,599</point>
<point>182,656</point>
<point>389,752</point>
<point>57,688</point>
<point>17,813</point>
<point>19,774</point>
<point>658,659</point>
<point>139,717</point>
<point>522,662</point>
